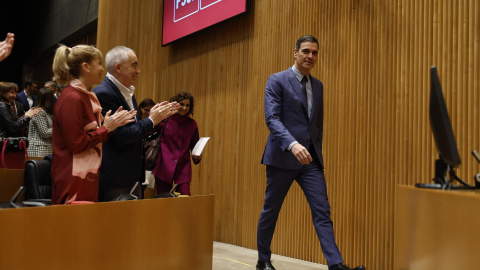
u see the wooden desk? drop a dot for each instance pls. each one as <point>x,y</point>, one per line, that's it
<point>10,181</point>
<point>174,233</point>
<point>436,229</point>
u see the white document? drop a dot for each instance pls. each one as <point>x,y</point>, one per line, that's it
<point>198,149</point>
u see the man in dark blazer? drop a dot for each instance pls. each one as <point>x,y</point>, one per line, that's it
<point>28,96</point>
<point>52,86</point>
<point>294,116</point>
<point>123,158</point>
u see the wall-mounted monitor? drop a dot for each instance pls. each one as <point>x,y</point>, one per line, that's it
<point>184,17</point>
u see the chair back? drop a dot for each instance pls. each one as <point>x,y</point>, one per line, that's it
<point>37,180</point>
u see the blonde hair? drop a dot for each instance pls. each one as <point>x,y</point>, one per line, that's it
<point>67,62</point>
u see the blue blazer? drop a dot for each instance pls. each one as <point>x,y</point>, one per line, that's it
<point>22,98</point>
<point>287,119</point>
<point>122,157</point>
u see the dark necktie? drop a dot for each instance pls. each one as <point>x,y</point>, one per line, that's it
<point>12,106</point>
<point>304,86</point>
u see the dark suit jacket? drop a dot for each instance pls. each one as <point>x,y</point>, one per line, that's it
<point>20,109</point>
<point>10,124</point>
<point>123,157</point>
<point>287,119</point>
<point>22,98</point>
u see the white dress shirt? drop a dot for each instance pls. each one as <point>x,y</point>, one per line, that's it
<point>127,93</point>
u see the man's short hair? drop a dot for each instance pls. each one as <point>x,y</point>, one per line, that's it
<point>115,56</point>
<point>306,38</point>
<point>30,83</point>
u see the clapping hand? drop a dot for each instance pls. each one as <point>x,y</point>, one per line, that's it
<point>33,111</point>
<point>6,46</point>
<point>163,110</point>
<point>119,118</point>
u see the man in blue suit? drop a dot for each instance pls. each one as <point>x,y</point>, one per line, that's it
<point>123,157</point>
<point>28,96</point>
<point>294,116</point>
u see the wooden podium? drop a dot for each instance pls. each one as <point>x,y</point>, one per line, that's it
<point>436,229</point>
<point>10,181</point>
<point>172,233</point>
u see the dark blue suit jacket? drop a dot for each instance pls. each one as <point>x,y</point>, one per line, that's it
<point>287,119</point>
<point>22,98</point>
<point>123,157</point>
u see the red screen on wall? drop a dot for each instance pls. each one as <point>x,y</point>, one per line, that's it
<point>183,17</point>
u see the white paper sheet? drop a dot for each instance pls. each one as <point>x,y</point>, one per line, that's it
<point>198,149</point>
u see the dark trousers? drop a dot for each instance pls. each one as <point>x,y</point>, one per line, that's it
<point>312,181</point>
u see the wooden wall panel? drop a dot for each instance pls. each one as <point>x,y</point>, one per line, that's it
<point>374,62</point>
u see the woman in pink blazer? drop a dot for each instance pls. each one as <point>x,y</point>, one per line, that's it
<point>179,137</point>
<point>79,129</point>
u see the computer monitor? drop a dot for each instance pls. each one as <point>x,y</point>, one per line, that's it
<point>444,139</point>
<point>440,123</point>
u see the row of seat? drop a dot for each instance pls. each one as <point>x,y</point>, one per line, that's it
<point>37,180</point>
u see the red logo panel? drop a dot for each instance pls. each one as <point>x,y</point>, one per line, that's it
<point>207,3</point>
<point>183,17</point>
<point>184,8</point>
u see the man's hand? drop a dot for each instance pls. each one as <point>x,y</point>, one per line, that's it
<point>162,111</point>
<point>301,153</point>
<point>119,118</point>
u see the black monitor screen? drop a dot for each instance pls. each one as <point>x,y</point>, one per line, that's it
<point>440,123</point>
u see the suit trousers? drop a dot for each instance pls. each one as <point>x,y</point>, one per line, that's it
<point>312,181</point>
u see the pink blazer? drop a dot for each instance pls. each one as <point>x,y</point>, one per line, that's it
<point>178,139</point>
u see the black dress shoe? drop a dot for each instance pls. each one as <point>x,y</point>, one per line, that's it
<point>342,266</point>
<point>265,266</point>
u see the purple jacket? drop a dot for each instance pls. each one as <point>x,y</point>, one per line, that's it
<point>178,139</point>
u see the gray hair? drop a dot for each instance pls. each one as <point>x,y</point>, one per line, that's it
<point>52,83</point>
<point>115,56</point>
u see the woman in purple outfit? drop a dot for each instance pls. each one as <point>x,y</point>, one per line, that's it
<point>179,137</point>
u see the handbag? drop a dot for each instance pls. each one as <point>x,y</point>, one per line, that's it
<point>14,152</point>
<point>153,151</point>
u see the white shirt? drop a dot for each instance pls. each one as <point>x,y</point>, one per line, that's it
<point>127,92</point>
<point>29,100</point>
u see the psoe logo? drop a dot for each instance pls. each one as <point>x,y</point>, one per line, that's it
<point>185,8</point>
<point>206,3</point>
